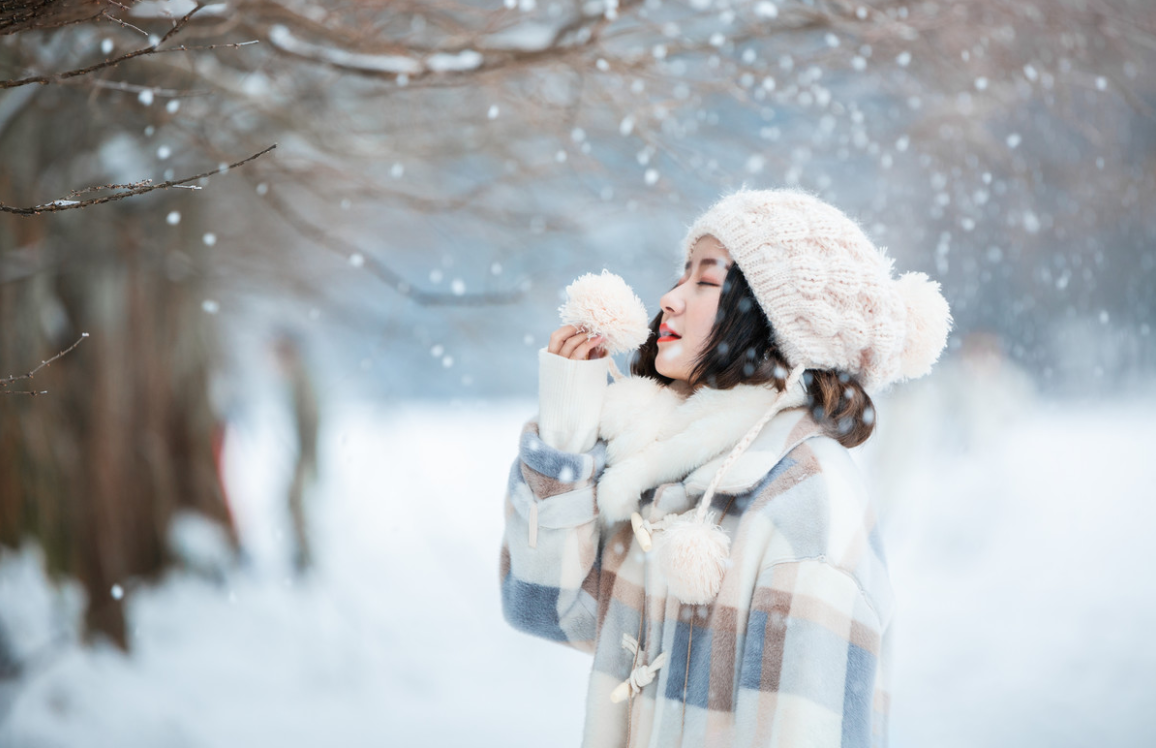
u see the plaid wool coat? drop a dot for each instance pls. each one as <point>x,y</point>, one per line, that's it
<point>793,652</point>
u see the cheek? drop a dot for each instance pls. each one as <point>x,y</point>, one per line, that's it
<point>704,321</point>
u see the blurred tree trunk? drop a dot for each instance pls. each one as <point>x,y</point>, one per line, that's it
<point>95,469</point>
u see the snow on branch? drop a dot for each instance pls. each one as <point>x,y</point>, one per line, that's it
<point>127,190</point>
<point>284,40</point>
<point>19,377</point>
<point>485,50</point>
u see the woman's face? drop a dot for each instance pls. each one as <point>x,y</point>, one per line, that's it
<point>688,310</point>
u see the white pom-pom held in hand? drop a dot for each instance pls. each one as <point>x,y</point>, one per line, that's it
<point>604,305</point>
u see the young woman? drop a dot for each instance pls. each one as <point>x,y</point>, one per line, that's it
<point>700,527</point>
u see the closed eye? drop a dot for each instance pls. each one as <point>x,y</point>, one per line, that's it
<point>704,283</point>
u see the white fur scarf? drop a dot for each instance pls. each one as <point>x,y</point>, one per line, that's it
<point>654,435</point>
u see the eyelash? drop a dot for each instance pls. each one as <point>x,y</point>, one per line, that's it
<point>704,283</point>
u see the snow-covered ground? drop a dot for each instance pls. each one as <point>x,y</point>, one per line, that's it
<point>1020,557</point>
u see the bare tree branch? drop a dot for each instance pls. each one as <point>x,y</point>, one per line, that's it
<point>152,49</point>
<point>18,377</point>
<point>125,24</point>
<point>137,188</point>
<point>180,24</point>
<point>61,77</point>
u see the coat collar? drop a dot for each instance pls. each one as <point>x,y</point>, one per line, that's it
<point>655,436</point>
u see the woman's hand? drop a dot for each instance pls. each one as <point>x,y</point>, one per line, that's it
<point>570,342</point>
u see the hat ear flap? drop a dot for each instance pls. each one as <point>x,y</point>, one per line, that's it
<point>928,322</point>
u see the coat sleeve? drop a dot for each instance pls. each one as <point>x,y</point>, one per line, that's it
<point>551,547</point>
<point>810,661</point>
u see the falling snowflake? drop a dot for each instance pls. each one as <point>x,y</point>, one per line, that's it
<point>766,9</point>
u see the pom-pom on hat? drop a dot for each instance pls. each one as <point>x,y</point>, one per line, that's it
<point>826,288</point>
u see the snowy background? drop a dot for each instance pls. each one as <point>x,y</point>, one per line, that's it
<point>442,171</point>
<point>1017,540</point>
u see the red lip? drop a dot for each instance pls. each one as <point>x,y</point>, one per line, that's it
<point>665,334</point>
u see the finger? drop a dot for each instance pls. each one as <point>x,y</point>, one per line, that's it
<point>560,336</point>
<point>572,343</point>
<point>582,352</point>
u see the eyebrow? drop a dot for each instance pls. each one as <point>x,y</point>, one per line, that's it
<point>709,261</point>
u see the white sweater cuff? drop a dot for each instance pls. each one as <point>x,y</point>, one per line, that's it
<point>570,395</point>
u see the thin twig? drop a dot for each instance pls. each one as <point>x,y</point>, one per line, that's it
<point>149,50</point>
<point>125,24</point>
<point>58,77</point>
<point>202,48</point>
<point>18,377</point>
<point>144,186</point>
<point>98,188</point>
<point>169,93</point>
<point>180,24</point>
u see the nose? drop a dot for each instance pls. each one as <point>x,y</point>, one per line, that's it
<point>671,302</point>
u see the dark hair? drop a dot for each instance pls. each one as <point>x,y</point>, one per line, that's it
<point>741,349</point>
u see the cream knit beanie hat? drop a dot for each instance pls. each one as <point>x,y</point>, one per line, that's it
<point>826,289</point>
<point>828,293</point>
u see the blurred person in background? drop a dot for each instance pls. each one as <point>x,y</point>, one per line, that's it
<point>306,419</point>
<point>763,614</point>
